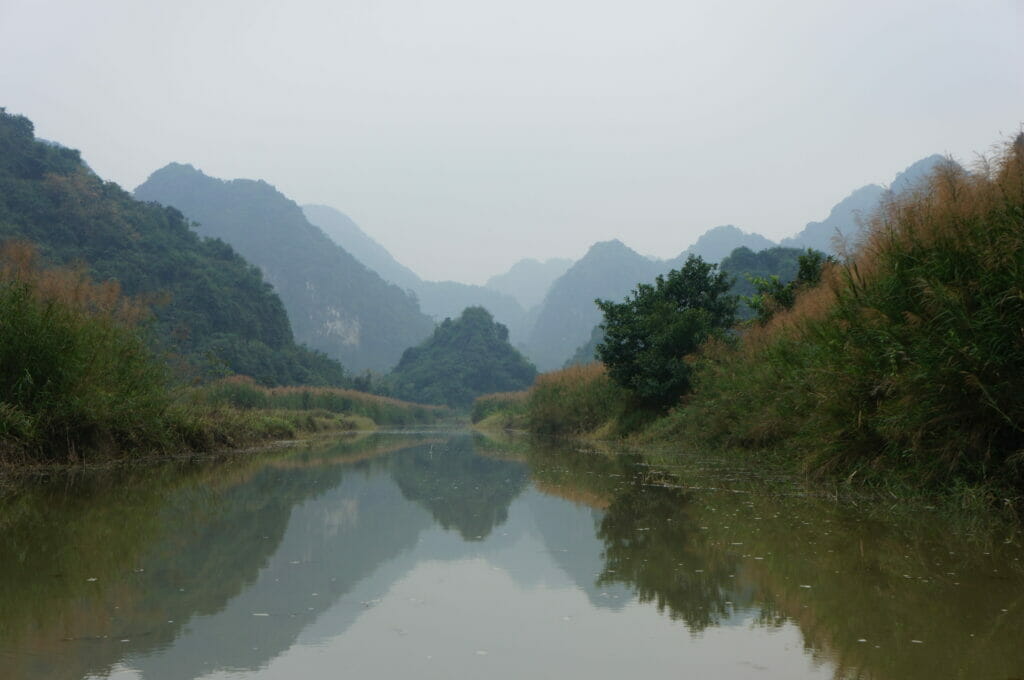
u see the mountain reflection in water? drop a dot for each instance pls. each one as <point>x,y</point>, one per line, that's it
<point>445,555</point>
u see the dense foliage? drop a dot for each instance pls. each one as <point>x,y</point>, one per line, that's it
<point>212,307</point>
<point>902,365</point>
<point>74,373</point>
<point>465,357</point>
<point>773,294</point>
<point>336,305</point>
<point>649,336</point>
<point>907,357</point>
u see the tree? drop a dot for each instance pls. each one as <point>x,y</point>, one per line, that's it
<point>648,336</point>
<point>773,295</point>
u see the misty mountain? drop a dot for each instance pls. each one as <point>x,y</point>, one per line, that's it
<point>610,270</point>
<point>347,234</point>
<point>438,299</point>
<point>528,280</point>
<point>716,243</point>
<point>335,303</point>
<point>845,219</point>
<point>219,312</point>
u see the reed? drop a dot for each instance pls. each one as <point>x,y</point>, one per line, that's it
<point>905,362</point>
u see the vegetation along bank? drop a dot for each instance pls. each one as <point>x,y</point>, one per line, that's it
<point>897,363</point>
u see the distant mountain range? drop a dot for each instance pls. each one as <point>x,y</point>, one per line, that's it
<point>335,303</point>
<point>438,299</point>
<point>611,270</point>
<point>528,280</point>
<point>843,223</point>
<point>547,306</point>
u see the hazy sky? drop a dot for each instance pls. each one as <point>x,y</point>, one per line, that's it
<point>466,134</point>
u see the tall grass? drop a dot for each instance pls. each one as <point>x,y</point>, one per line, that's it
<point>512,405</point>
<point>575,400</point>
<point>907,360</point>
<point>243,393</point>
<point>75,373</point>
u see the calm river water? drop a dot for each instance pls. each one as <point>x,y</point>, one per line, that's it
<point>452,555</point>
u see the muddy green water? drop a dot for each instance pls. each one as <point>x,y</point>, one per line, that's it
<point>451,555</point>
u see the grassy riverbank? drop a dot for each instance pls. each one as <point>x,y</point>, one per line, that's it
<point>901,368</point>
<point>78,380</point>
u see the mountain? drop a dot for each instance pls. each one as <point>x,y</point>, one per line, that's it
<point>438,299</point>
<point>610,270</point>
<point>464,358</point>
<point>528,280</point>
<point>216,311</point>
<point>335,304</point>
<point>844,220</point>
<point>347,234</point>
<point>716,243</point>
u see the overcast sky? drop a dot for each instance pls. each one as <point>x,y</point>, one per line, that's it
<point>467,134</point>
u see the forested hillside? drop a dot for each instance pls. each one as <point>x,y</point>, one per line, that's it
<point>335,303</point>
<point>464,358</point>
<point>212,307</point>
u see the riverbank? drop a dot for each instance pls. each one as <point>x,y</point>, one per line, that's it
<point>900,370</point>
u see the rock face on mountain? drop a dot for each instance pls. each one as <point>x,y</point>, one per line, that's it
<point>335,303</point>
<point>528,280</point>
<point>438,299</point>
<point>609,270</point>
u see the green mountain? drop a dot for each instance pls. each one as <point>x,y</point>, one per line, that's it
<point>438,299</point>
<point>465,358</point>
<point>336,305</point>
<point>609,270</point>
<point>218,312</point>
<point>529,280</point>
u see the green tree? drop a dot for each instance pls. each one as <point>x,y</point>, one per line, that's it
<point>648,336</point>
<point>773,295</point>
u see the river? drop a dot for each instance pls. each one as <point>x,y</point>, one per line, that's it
<point>456,555</point>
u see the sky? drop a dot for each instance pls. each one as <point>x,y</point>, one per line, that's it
<point>465,135</point>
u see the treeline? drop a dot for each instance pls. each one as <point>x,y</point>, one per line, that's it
<point>78,379</point>
<point>898,362</point>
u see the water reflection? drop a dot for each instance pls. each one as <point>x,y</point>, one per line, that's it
<point>454,548</point>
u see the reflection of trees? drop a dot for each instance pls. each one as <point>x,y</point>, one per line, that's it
<point>650,541</point>
<point>462,490</point>
<point>138,555</point>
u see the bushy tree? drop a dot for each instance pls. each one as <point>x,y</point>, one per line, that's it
<point>773,295</point>
<point>464,358</point>
<point>649,335</point>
